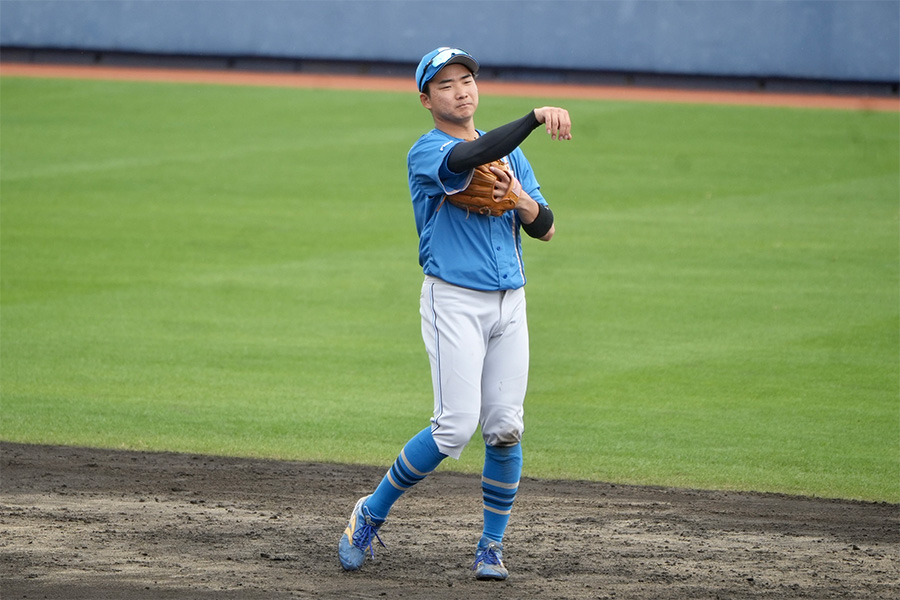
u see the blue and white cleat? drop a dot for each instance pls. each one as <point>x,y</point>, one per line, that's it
<point>358,536</point>
<point>489,561</point>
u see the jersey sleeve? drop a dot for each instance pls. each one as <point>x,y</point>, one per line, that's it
<point>427,163</point>
<point>525,174</point>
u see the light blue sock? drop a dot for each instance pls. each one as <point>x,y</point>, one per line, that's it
<point>499,484</point>
<point>419,457</point>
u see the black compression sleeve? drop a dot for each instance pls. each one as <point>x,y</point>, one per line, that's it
<point>542,224</point>
<point>494,144</point>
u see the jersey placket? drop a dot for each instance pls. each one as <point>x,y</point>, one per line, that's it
<point>506,256</point>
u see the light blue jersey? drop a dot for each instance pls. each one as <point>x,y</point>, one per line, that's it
<point>463,248</point>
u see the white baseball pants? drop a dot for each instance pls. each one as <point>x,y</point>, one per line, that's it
<point>477,343</point>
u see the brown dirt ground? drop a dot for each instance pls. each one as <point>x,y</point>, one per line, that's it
<point>88,524</point>
<point>513,88</point>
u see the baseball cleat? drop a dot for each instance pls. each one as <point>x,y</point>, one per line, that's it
<point>358,536</point>
<point>489,561</point>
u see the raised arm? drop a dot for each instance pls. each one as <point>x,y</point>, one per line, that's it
<point>499,142</point>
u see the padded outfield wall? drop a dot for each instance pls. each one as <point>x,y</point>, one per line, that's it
<point>827,40</point>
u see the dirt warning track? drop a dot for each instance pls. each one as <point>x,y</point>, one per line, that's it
<point>397,84</point>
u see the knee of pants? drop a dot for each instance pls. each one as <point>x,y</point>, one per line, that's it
<point>507,432</point>
<point>502,426</point>
<point>506,437</point>
<point>452,436</point>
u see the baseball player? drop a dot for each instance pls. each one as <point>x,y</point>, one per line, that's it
<point>472,302</point>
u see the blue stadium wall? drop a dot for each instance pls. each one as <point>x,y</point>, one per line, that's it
<point>830,40</point>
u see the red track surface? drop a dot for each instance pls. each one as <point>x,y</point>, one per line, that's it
<point>492,87</point>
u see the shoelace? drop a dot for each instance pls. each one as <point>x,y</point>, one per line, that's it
<point>488,556</point>
<point>363,537</point>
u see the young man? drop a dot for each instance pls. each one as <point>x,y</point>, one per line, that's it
<point>472,303</point>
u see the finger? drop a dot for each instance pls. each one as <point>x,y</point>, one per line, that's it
<point>551,124</point>
<point>548,116</point>
<point>502,174</point>
<point>557,124</point>
<point>562,125</point>
<point>565,125</point>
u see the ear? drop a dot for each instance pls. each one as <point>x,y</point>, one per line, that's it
<point>425,100</point>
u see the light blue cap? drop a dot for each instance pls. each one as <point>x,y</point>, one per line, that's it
<point>439,58</point>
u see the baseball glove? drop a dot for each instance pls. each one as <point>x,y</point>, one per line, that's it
<point>478,197</point>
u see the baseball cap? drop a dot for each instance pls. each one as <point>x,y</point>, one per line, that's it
<point>439,58</point>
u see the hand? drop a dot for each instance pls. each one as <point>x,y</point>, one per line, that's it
<point>557,121</point>
<point>506,181</point>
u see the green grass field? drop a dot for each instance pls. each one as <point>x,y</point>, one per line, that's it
<point>233,270</point>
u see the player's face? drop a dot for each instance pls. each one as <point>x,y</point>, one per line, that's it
<point>452,95</point>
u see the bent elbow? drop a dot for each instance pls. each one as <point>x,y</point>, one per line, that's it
<point>549,234</point>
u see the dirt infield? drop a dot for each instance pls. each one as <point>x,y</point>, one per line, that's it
<point>510,88</point>
<point>90,524</point>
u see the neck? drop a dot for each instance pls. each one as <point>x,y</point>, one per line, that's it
<point>464,131</point>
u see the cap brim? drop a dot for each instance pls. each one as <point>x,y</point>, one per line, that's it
<point>465,60</point>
